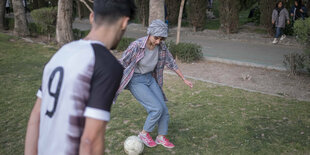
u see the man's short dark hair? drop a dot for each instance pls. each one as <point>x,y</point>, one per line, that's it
<point>112,10</point>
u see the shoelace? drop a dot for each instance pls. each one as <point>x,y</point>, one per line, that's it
<point>165,139</point>
<point>148,138</point>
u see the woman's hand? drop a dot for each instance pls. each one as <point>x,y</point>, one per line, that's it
<point>188,83</point>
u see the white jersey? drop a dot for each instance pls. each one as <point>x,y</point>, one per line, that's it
<point>79,81</point>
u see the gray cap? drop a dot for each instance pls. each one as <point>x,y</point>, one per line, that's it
<point>158,28</point>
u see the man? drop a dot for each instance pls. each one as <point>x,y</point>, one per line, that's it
<point>78,87</point>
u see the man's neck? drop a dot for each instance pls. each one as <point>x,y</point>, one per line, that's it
<point>103,35</point>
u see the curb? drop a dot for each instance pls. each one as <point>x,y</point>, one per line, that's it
<point>247,64</point>
<point>235,87</point>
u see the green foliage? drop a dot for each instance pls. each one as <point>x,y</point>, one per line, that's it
<point>78,34</point>
<point>256,16</point>
<point>300,62</point>
<point>9,23</point>
<point>186,52</point>
<point>45,20</point>
<point>289,29</point>
<point>302,30</point>
<point>246,4</point>
<point>296,63</point>
<point>213,24</point>
<point>197,14</point>
<point>124,43</point>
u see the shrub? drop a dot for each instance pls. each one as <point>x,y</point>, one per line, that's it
<point>78,34</point>
<point>9,23</point>
<point>289,29</point>
<point>297,62</point>
<point>302,31</point>
<point>186,52</point>
<point>45,20</point>
<point>124,43</point>
<point>256,15</point>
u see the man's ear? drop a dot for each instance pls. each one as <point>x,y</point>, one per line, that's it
<point>124,23</point>
<point>91,17</point>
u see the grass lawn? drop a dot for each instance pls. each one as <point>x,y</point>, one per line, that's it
<point>208,119</point>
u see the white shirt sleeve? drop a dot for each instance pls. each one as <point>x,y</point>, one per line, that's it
<point>39,94</point>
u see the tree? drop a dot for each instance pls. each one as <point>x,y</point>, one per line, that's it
<point>20,21</point>
<point>229,15</point>
<point>246,4</point>
<point>157,10</point>
<point>266,8</point>
<point>2,13</point>
<point>172,8</point>
<point>197,14</point>
<point>64,32</point>
<point>143,11</point>
<point>179,21</point>
<point>308,7</point>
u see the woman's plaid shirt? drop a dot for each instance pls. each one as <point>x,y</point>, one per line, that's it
<point>135,52</point>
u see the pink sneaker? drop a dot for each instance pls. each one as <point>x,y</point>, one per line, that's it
<point>147,139</point>
<point>164,141</point>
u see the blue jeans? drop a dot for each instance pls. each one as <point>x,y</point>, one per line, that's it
<point>279,32</point>
<point>146,90</point>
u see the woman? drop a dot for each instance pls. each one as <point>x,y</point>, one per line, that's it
<point>144,62</point>
<point>298,10</point>
<point>279,16</point>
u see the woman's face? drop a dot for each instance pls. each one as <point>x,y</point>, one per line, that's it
<point>280,5</point>
<point>156,40</point>
<point>296,3</point>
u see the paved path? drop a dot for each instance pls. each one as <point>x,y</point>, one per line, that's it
<point>242,52</point>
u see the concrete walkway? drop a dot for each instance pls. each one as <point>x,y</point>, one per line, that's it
<point>233,51</point>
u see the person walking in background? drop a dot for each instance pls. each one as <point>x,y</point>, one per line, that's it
<point>280,15</point>
<point>298,11</point>
<point>7,6</point>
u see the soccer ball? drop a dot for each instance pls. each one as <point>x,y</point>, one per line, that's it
<point>133,145</point>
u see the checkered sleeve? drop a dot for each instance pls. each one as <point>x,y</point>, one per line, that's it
<point>170,62</point>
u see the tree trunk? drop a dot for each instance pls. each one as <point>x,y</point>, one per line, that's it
<point>64,32</point>
<point>20,21</point>
<point>2,13</point>
<point>308,7</point>
<point>143,11</point>
<point>197,14</point>
<point>229,15</point>
<point>78,9</point>
<point>266,8</point>
<point>157,10</point>
<point>180,21</point>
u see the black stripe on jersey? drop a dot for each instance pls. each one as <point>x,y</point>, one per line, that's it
<point>84,78</point>
<point>106,79</point>
<point>74,145</point>
<point>77,121</point>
